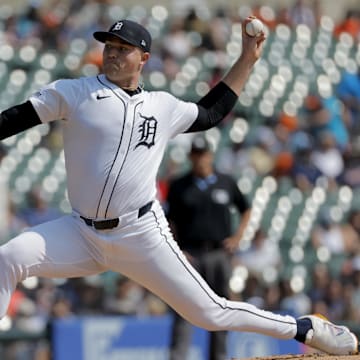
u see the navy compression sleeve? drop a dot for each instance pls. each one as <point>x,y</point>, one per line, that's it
<point>17,119</point>
<point>213,107</point>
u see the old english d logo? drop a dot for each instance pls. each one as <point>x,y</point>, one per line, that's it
<point>147,132</point>
<point>117,26</point>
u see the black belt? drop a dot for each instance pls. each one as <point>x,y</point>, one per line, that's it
<point>111,223</point>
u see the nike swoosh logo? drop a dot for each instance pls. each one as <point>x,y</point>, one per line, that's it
<point>98,97</point>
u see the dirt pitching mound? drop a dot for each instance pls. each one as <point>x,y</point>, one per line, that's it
<point>305,357</point>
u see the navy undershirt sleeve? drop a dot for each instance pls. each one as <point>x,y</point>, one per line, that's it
<point>17,119</point>
<point>213,107</point>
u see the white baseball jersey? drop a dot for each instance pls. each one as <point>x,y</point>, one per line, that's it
<point>113,146</point>
<point>113,142</point>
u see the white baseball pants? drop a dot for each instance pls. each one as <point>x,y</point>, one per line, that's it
<point>142,249</point>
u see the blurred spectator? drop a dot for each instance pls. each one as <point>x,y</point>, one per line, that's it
<point>355,297</point>
<point>320,307</point>
<point>4,199</point>
<point>336,301</point>
<point>351,175</point>
<point>338,238</point>
<point>220,29</point>
<point>330,115</point>
<point>304,173</point>
<point>296,303</point>
<point>44,297</point>
<point>348,90</point>
<point>272,297</point>
<point>282,16</point>
<point>261,153</point>
<point>127,298</point>
<point>234,158</point>
<point>267,152</point>
<point>91,296</point>
<point>79,21</point>
<point>52,22</point>
<point>260,256</point>
<point>13,224</point>
<point>285,129</point>
<point>177,42</point>
<point>284,162</point>
<point>61,309</point>
<point>266,14</point>
<point>319,282</point>
<point>170,65</point>
<point>354,221</point>
<point>198,28</point>
<point>288,122</point>
<point>328,159</point>
<point>153,305</point>
<point>183,7</point>
<point>302,12</point>
<point>350,309</point>
<point>350,24</point>
<point>37,210</point>
<point>16,299</point>
<point>25,27</point>
<point>253,291</point>
<point>27,319</point>
<point>215,76</point>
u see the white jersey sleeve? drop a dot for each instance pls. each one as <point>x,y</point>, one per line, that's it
<point>55,101</point>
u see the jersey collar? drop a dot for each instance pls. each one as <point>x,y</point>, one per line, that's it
<point>116,88</point>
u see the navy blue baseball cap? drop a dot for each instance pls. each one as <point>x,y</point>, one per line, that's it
<point>200,145</point>
<point>129,31</point>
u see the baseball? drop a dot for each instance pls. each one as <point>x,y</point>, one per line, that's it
<point>254,27</point>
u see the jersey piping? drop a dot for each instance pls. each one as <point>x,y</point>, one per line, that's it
<point>127,152</point>
<point>202,287</point>
<point>117,151</point>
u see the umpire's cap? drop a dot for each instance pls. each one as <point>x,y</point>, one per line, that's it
<point>127,30</point>
<point>200,145</point>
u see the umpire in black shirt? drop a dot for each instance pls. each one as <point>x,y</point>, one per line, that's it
<point>199,212</point>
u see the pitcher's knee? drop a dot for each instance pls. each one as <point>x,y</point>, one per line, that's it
<point>206,321</point>
<point>10,276</point>
<point>3,260</point>
<point>6,258</point>
<point>10,270</point>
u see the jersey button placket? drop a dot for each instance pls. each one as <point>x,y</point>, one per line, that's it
<point>118,164</point>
